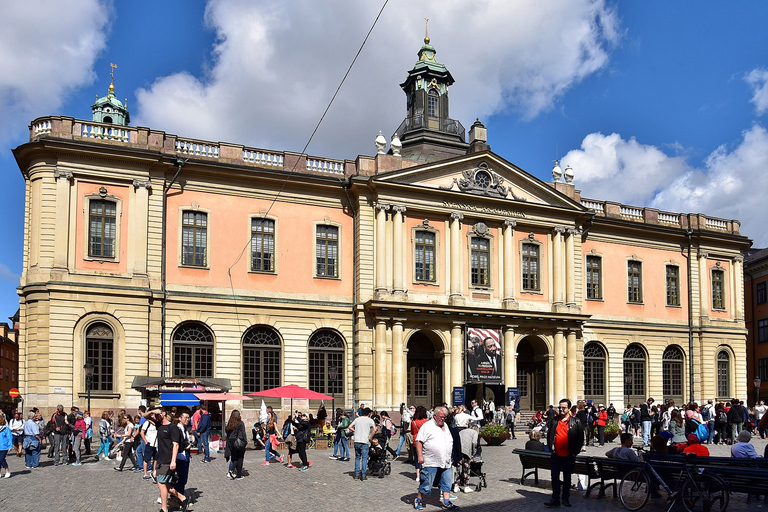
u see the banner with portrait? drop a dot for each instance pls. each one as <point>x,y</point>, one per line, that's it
<point>483,356</point>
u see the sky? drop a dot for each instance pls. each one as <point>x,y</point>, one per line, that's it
<point>655,103</point>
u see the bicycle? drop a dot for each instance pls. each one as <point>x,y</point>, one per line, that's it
<point>695,488</point>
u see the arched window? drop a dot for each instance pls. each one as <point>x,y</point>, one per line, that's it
<point>99,351</point>
<point>326,363</point>
<point>433,103</point>
<point>261,359</point>
<point>594,372</point>
<point>634,374</point>
<point>193,351</point>
<point>723,374</point>
<point>672,366</point>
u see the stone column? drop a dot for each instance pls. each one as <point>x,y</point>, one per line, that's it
<point>398,364</point>
<point>572,365</point>
<point>559,365</point>
<point>457,267</point>
<point>138,219</point>
<point>457,356</point>
<point>737,279</point>
<point>703,284</point>
<point>557,265</point>
<point>381,248</point>
<point>509,263</point>
<point>510,364</point>
<point>570,267</point>
<point>379,367</point>
<point>61,240</point>
<point>398,259</point>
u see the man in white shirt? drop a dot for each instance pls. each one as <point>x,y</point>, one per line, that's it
<point>434,452</point>
<point>363,428</point>
<point>477,418</point>
<point>759,412</point>
<point>462,418</point>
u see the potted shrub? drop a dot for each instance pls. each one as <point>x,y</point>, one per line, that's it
<point>612,431</point>
<point>494,434</point>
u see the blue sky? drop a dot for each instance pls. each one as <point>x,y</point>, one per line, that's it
<point>652,103</point>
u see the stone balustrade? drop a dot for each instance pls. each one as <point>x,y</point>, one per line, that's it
<point>62,127</point>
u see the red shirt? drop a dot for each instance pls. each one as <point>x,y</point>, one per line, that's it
<point>416,425</point>
<point>699,449</point>
<point>562,448</point>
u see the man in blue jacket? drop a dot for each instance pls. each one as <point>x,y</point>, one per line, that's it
<point>204,434</point>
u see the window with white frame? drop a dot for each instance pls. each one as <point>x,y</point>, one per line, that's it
<point>194,238</point>
<point>673,285</point>
<point>718,289</point>
<point>480,261</point>
<point>424,256</point>
<point>263,245</point>
<point>634,281</point>
<point>102,228</point>
<point>723,374</point>
<point>594,277</point>
<point>531,267</point>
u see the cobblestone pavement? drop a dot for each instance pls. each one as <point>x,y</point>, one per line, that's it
<point>328,485</point>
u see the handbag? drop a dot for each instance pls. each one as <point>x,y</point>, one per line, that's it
<point>238,444</point>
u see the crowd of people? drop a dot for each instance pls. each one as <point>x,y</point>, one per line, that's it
<point>439,442</point>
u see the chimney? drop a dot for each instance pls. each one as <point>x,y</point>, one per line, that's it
<point>478,136</point>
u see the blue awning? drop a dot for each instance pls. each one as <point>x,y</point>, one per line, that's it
<point>188,399</point>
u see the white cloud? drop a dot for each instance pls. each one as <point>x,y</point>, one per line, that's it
<point>8,276</point>
<point>277,64</point>
<point>727,185</point>
<point>758,80</point>
<point>47,49</point>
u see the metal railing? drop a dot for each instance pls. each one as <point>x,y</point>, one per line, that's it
<point>420,122</point>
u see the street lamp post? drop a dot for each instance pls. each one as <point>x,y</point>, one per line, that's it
<point>627,386</point>
<point>332,374</point>
<point>89,369</point>
<point>757,390</point>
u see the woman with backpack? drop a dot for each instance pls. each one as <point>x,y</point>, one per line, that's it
<point>79,435</point>
<point>406,413</point>
<point>340,443</point>
<point>388,429</point>
<point>131,433</point>
<point>104,435</point>
<point>236,443</point>
<point>721,423</point>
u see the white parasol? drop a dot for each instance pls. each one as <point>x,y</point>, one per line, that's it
<point>263,413</point>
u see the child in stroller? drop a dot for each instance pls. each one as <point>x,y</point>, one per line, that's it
<point>377,457</point>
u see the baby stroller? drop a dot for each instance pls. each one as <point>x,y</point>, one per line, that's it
<point>471,465</point>
<point>377,458</point>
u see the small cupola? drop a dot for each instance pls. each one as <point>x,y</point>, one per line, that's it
<point>108,109</point>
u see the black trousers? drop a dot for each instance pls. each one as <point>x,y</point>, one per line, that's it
<point>128,453</point>
<point>562,465</point>
<point>237,461</point>
<point>302,449</point>
<point>601,434</point>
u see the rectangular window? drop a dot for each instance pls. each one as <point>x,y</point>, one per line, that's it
<point>594,277</point>
<point>193,361</point>
<point>762,330</point>
<point>762,368</point>
<point>102,227</point>
<point>194,238</point>
<point>531,267</point>
<point>761,295</point>
<point>634,281</point>
<point>327,251</point>
<point>424,256</point>
<point>723,389</point>
<point>673,285</point>
<point>718,297</point>
<point>481,261</point>
<point>263,245</point>
<point>433,107</point>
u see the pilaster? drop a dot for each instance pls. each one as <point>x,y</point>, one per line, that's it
<point>509,264</point>
<point>61,240</point>
<point>138,222</point>
<point>381,248</point>
<point>457,267</point>
<point>398,249</point>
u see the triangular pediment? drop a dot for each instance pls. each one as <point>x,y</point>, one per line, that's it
<point>482,175</point>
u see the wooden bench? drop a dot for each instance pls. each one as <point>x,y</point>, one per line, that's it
<point>748,480</point>
<point>535,460</point>
<point>611,471</point>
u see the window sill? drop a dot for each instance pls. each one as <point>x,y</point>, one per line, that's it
<point>595,299</point>
<point>99,395</point>
<point>426,283</point>
<point>101,260</point>
<point>330,278</point>
<point>678,306</point>
<point>195,267</point>
<point>718,310</point>
<point>263,272</point>
<point>635,303</point>
<point>532,292</point>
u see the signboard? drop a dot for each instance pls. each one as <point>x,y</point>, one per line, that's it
<point>483,355</point>
<point>183,385</point>
<point>512,394</point>
<point>458,396</point>
<point>14,393</point>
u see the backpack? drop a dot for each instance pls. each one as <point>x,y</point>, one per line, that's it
<point>722,417</point>
<point>702,432</point>
<point>705,414</point>
<point>49,428</point>
<point>624,418</point>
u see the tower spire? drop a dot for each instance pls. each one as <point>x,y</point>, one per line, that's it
<point>426,30</point>
<point>112,76</point>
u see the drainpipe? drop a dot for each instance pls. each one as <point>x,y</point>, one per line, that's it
<point>346,185</point>
<point>179,162</point>
<point>591,223</point>
<point>689,234</point>
<point>753,330</point>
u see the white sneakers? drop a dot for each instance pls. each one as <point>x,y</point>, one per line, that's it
<point>7,474</point>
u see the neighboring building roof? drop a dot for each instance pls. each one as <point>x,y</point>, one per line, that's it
<point>755,256</point>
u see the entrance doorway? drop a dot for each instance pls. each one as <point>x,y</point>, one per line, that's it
<point>532,358</point>
<point>425,371</point>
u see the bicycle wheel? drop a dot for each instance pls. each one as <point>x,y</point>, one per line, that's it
<point>634,489</point>
<point>709,493</point>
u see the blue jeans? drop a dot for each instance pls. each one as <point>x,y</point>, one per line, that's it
<point>32,456</point>
<point>182,473</point>
<point>711,427</point>
<point>562,465</point>
<point>428,476</point>
<point>336,442</point>
<point>646,431</point>
<point>140,452</point>
<point>204,440</point>
<point>344,447</point>
<point>269,452</point>
<point>361,453</point>
<point>401,443</point>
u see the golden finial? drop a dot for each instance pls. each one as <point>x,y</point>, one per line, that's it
<point>426,30</point>
<point>112,75</point>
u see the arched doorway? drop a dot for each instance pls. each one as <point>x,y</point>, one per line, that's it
<point>532,355</point>
<point>425,371</point>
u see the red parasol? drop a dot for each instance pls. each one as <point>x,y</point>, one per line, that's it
<point>292,391</point>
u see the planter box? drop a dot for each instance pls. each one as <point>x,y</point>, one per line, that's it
<point>495,440</point>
